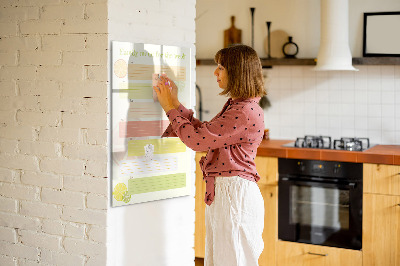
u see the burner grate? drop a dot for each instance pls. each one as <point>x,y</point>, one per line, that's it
<point>320,142</point>
<point>351,144</point>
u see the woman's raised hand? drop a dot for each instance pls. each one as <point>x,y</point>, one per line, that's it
<point>164,95</point>
<point>174,90</point>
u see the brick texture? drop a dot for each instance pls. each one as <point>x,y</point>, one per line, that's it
<point>34,239</point>
<point>41,179</point>
<point>8,234</point>
<point>61,258</point>
<point>53,88</point>
<point>84,247</point>
<point>95,201</point>
<point>53,227</point>
<point>54,83</point>
<point>87,216</point>
<point>75,230</point>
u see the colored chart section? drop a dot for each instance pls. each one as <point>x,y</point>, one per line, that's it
<point>144,72</point>
<point>141,165</point>
<point>136,91</point>
<point>147,110</point>
<point>161,146</point>
<point>132,129</point>
<point>120,68</point>
<point>156,183</point>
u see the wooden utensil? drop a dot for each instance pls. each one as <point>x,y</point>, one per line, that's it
<point>232,35</point>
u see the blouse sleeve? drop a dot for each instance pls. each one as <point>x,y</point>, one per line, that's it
<point>223,131</point>
<point>186,113</point>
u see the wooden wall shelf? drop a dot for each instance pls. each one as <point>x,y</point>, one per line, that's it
<point>376,61</point>
<point>312,61</point>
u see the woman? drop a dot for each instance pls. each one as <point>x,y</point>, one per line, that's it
<point>235,207</point>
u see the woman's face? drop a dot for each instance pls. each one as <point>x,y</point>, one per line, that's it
<point>222,76</point>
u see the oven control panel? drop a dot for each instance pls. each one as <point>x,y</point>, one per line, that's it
<point>331,169</point>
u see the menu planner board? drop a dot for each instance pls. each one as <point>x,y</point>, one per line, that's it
<point>146,167</point>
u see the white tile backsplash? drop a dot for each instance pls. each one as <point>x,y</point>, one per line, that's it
<point>322,109</point>
<point>348,96</point>
<point>387,124</point>
<point>388,97</point>
<point>374,97</point>
<point>375,136</point>
<point>374,123</point>
<point>361,110</point>
<point>374,83</point>
<point>388,111</point>
<point>364,103</point>
<point>322,121</point>
<point>322,95</point>
<point>374,110</point>
<point>387,72</point>
<point>347,110</point>
<point>361,125</point>
<point>388,83</point>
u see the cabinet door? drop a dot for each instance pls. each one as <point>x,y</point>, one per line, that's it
<point>267,168</point>
<point>381,179</point>
<point>270,233</point>
<point>381,230</point>
<point>297,254</point>
<point>200,207</point>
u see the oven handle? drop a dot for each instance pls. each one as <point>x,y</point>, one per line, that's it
<point>297,181</point>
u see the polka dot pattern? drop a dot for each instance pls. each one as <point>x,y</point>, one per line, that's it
<point>231,139</point>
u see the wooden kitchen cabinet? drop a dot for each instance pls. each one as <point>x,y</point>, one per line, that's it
<point>381,230</point>
<point>200,207</point>
<point>270,233</point>
<point>267,168</point>
<point>298,254</point>
<point>381,215</point>
<point>381,179</point>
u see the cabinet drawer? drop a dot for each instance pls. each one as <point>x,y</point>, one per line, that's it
<point>381,179</point>
<point>294,254</point>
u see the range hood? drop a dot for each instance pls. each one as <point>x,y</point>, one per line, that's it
<point>334,51</point>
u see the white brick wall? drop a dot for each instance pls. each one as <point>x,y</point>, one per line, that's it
<point>8,234</point>
<point>53,121</point>
<point>75,230</point>
<point>61,258</point>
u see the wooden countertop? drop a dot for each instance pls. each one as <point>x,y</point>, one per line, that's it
<point>379,154</point>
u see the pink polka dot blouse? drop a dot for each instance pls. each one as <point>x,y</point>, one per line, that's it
<point>231,139</point>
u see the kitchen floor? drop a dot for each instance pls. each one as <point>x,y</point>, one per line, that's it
<point>198,262</point>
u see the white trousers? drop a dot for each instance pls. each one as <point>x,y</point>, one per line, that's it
<point>234,223</point>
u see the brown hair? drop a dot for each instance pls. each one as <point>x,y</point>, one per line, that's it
<point>245,78</point>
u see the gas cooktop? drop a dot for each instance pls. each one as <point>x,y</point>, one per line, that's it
<point>325,142</point>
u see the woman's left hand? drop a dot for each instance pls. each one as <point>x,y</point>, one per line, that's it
<point>163,92</point>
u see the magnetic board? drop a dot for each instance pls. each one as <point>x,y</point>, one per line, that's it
<point>146,167</point>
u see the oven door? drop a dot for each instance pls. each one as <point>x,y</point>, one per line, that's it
<point>320,212</point>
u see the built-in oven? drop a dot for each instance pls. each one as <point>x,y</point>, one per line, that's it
<point>320,202</point>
